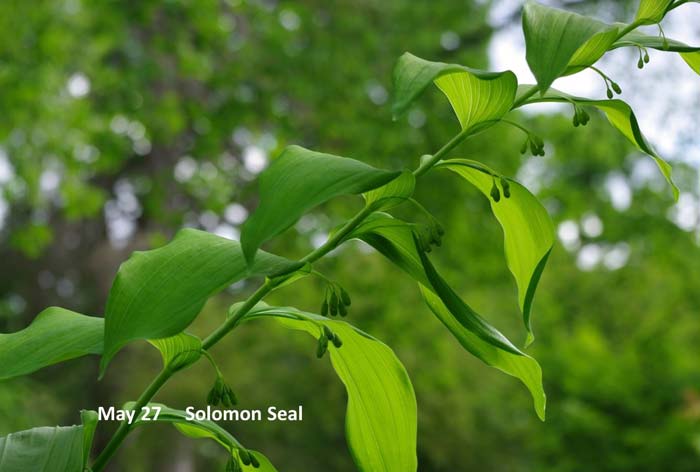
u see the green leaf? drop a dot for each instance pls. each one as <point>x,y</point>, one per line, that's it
<point>395,240</point>
<point>651,11</point>
<point>479,98</point>
<point>199,429</point>
<point>559,42</point>
<point>179,351</point>
<point>392,194</point>
<point>381,415</point>
<point>621,116</point>
<point>693,60</point>
<point>49,449</point>
<point>157,293</point>
<point>297,181</point>
<point>527,230</point>
<point>691,54</point>
<point>55,335</point>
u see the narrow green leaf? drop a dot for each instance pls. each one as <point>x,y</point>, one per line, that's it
<point>478,98</point>
<point>559,42</point>
<point>395,240</point>
<point>55,335</point>
<point>49,449</point>
<point>394,193</point>
<point>528,231</point>
<point>635,39</point>
<point>157,293</point>
<point>381,417</point>
<point>651,11</point>
<point>179,351</point>
<point>621,116</point>
<point>199,429</point>
<point>691,54</point>
<point>297,181</point>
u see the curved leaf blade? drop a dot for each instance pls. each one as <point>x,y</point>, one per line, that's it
<point>559,42</point>
<point>158,293</point>
<point>622,117</point>
<point>381,418</point>
<point>477,97</point>
<point>528,231</point>
<point>178,351</point>
<point>297,181</point>
<point>395,240</point>
<point>201,429</point>
<point>55,335</point>
<point>49,449</point>
<point>392,194</point>
<point>651,11</point>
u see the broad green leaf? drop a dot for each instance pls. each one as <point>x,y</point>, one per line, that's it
<point>49,449</point>
<point>179,351</point>
<point>200,429</point>
<point>395,240</point>
<point>297,181</point>
<point>479,98</point>
<point>559,42</point>
<point>55,335</point>
<point>651,11</point>
<point>693,60</point>
<point>394,193</point>
<point>157,293</point>
<point>381,415</point>
<point>621,116</point>
<point>528,231</point>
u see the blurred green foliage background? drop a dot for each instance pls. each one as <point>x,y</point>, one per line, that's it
<point>123,121</point>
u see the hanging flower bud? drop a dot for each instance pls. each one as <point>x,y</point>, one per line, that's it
<point>646,57</point>
<point>337,342</point>
<point>506,187</point>
<point>322,347</point>
<point>245,456</point>
<point>342,310</point>
<point>333,303</point>
<point>609,93</point>
<point>254,460</point>
<point>216,393</point>
<point>585,117</point>
<point>228,397</point>
<point>576,120</point>
<point>523,148</point>
<point>324,307</point>
<point>616,87</point>
<point>327,331</point>
<point>345,297</point>
<point>495,194</point>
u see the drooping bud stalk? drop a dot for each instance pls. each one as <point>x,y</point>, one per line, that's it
<point>495,193</point>
<point>506,187</point>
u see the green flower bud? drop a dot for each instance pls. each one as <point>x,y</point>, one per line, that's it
<point>322,347</point>
<point>324,308</point>
<point>495,194</point>
<point>585,117</point>
<point>646,57</point>
<point>337,342</point>
<point>506,187</point>
<point>228,398</point>
<point>245,456</point>
<point>523,148</point>
<point>345,297</point>
<point>327,331</point>
<point>616,87</point>
<point>609,94</point>
<point>254,461</point>
<point>640,63</point>
<point>216,393</point>
<point>342,310</point>
<point>334,303</point>
<point>576,120</point>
